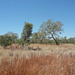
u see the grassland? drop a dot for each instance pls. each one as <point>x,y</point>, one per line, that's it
<point>50,60</point>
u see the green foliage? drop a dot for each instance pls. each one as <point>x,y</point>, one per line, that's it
<point>14,36</point>
<point>74,43</point>
<point>19,41</point>
<point>64,40</point>
<point>35,38</point>
<point>38,37</point>
<point>8,39</point>
<point>5,40</point>
<point>48,33</point>
<point>41,36</point>
<point>27,32</point>
<point>51,28</point>
<point>71,40</point>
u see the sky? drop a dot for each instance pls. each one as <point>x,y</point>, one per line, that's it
<point>14,14</point>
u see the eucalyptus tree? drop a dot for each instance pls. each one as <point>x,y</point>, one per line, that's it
<point>52,29</point>
<point>27,32</point>
<point>41,36</point>
<point>35,37</point>
<point>38,36</point>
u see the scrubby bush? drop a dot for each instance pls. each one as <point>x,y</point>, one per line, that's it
<point>5,40</point>
<point>74,43</point>
<point>14,36</point>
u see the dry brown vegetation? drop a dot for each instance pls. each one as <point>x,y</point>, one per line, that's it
<point>43,65</point>
<point>50,60</point>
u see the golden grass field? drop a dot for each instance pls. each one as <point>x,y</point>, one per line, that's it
<point>46,49</point>
<point>50,60</point>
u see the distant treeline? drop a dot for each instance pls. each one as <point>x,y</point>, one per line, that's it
<point>48,33</point>
<point>62,40</point>
<point>10,37</point>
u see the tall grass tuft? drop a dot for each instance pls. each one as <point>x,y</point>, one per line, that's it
<point>43,65</point>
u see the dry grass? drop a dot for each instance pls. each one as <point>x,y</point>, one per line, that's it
<point>50,60</point>
<point>46,49</point>
<point>43,65</point>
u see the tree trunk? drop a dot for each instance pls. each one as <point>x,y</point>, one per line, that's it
<point>55,40</point>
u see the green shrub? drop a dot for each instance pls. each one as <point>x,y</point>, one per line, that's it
<point>74,43</point>
<point>5,40</point>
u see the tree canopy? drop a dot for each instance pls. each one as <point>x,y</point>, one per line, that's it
<point>27,31</point>
<point>5,40</point>
<point>14,36</point>
<point>52,28</point>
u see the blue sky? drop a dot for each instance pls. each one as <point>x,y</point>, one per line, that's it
<point>13,14</point>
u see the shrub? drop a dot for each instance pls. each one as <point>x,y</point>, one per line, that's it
<point>5,40</point>
<point>74,43</point>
